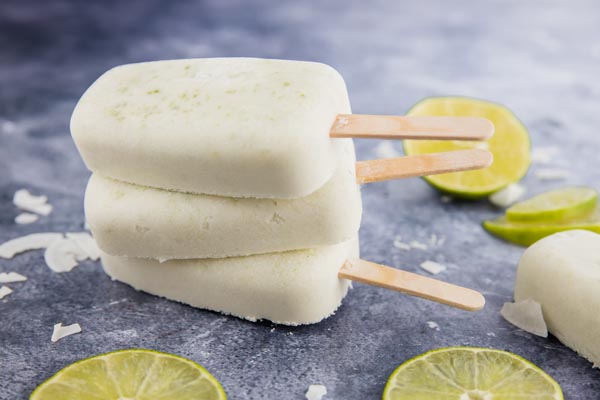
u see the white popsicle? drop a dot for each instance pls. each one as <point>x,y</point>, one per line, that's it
<point>562,273</point>
<point>135,221</point>
<point>291,288</point>
<point>239,127</point>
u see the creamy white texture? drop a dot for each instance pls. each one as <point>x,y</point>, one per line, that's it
<point>562,273</point>
<point>291,288</point>
<point>131,220</point>
<point>240,127</point>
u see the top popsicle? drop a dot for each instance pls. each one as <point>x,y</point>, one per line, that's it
<point>238,127</point>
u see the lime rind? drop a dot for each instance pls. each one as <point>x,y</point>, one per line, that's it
<point>47,385</point>
<point>527,233</point>
<point>510,145</point>
<point>512,376</point>
<point>556,205</point>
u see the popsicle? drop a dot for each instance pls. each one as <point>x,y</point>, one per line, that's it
<point>562,273</point>
<point>238,127</point>
<point>135,221</point>
<point>291,288</point>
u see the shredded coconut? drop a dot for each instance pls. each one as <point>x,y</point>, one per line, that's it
<point>551,174</point>
<point>399,244</point>
<point>28,202</point>
<point>60,331</point>
<point>527,315</point>
<point>445,199</point>
<point>491,334</point>
<point>543,155</point>
<point>418,245</point>
<point>26,218</point>
<point>508,196</point>
<point>25,243</point>
<point>433,325</point>
<point>386,149</point>
<point>86,243</point>
<point>5,291</point>
<point>432,267</point>
<point>316,392</point>
<point>10,277</point>
<point>63,255</point>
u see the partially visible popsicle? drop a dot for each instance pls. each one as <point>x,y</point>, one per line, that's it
<point>138,221</point>
<point>239,127</point>
<point>562,273</point>
<point>291,288</point>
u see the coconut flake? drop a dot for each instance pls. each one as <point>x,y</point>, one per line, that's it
<point>86,243</point>
<point>26,218</point>
<point>418,245</point>
<point>28,202</point>
<point>60,331</point>
<point>315,392</point>
<point>10,277</point>
<point>508,196</point>
<point>399,244</point>
<point>433,325</point>
<point>445,199</point>
<point>26,243</point>
<point>432,267</point>
<point>63,255</point>
<point>543,155</point>
<point>491,334</point>
<point>386,149</point>
<point>551,174</point>
<point>5,291</point>
<point>527,315</point>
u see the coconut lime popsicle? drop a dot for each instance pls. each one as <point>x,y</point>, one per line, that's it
<point>562,273</point>
<point>138,221</point>
<point>291,288</point>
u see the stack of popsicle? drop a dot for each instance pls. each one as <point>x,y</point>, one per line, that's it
<point>217,183</point>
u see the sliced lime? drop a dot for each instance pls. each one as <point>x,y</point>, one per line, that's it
<point>133,374</point>
<point>468,373</point>
<point>510,146</point>
<point>527,233</point>
<point>555,205</point>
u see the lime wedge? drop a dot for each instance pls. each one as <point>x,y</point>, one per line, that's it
<point>510,146</point>
<point>555,205</point>
<point>468,373</point>
<point>134,374</point>
<point>527,233</point>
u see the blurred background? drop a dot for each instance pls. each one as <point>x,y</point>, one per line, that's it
<point>539,58</point>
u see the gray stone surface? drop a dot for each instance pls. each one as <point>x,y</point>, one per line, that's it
<point>540,58</point>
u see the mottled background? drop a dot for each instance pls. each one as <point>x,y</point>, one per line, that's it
<point>541,58</point>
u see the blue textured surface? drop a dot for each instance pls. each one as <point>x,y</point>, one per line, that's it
<point>539,58</point>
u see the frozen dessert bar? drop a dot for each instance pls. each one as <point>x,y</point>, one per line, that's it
<point>239,127</point>
<point>136,221</point>
<point>291,288</point>
<point>562,273</point>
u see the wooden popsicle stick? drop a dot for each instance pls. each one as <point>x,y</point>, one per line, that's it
<point>412,284</point>
<point>422,165</point>
<point>396,127</point>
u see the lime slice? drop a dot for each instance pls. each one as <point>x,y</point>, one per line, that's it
<point>555,205</point>
<point>134,374</point>
<point>468,373</point>
<point>527,233</point>
<point>510,146</point>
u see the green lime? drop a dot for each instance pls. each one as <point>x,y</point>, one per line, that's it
<point>555,205</point>
<point>469,373</point>
<point>510,146</point>
<point>527,233</point>
<point>133,374</point>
